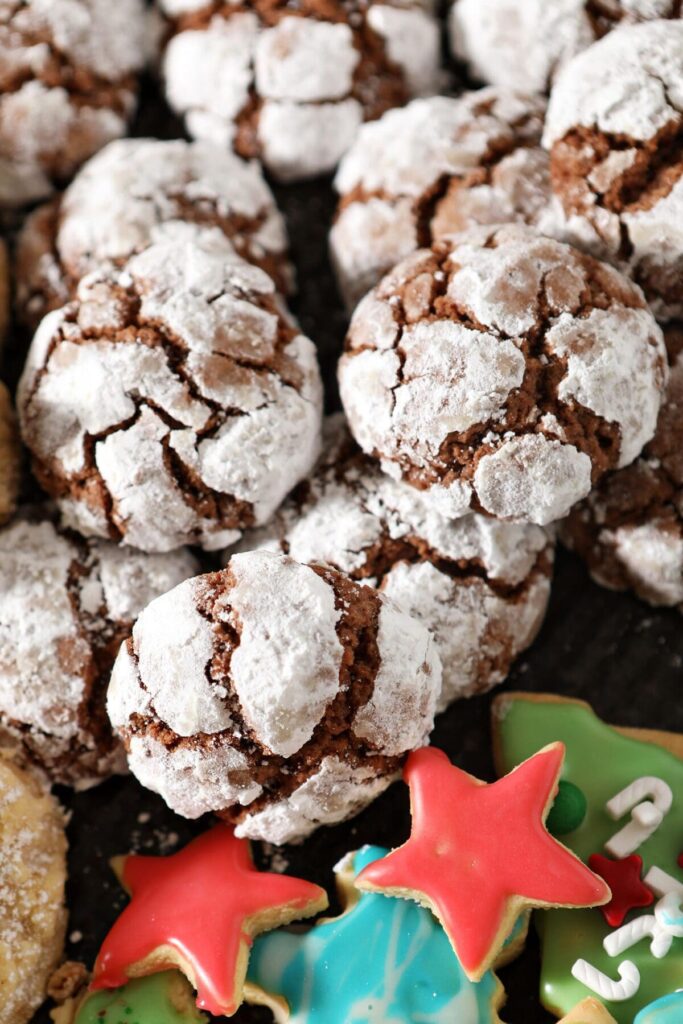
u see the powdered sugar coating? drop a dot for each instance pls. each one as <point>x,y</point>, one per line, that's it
<point>479,585</point>
<point>109,211</point>
<point>504,369</point>
<point>201,402</point>
<point>32,879</point>
<point>334,793</point>
<point>438,166</point>
<point>294,88</point>
<point>615,161</point>
<point>630,528</point>
<point>67,86</point>
<point>490,35</point>
<point>65,605</point>
<point>274,652</point>
<point>292,657</point>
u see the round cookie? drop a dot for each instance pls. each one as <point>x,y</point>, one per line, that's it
<point>438,166</point>
<point>503,371</point>
<point>66,606</point>
<point>616,161</point>
<point>10,456</point>
<point>291,84</point>
<point>110,209</point>
<point>280,696</point>
<point>67,87</point>
<point>32,879</point>
<point>173,401</point>
<point>490,35</point>
<point>479,585</point>
<point>629,530</point>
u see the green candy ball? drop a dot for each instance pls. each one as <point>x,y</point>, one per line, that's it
<point>568,811</point>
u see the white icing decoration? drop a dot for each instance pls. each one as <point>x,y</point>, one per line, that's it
<point>662,928</point>
<point>605,987</point>
<point>662,883</point>
<point>646,814</point>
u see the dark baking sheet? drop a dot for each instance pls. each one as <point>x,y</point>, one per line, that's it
<point>609,649</point>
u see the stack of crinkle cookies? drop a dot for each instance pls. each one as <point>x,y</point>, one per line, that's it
<point>258,611</point>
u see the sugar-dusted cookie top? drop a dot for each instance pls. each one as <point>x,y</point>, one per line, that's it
<point>292,84</point>
<point>280,695</point>
<point>438,166</point>
<point>32,879</point>
<point>110,209</point>
<point>481,586</point>
<point>503,371</point>
<point>67,604</point>
<point>615,151</point>
<point>67,87</point>
<point>174,401</point>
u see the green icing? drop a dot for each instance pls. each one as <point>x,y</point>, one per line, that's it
<point>568,810</point>
<point>601,762</point>
<point>157,999</point>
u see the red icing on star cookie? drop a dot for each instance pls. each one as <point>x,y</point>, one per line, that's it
<point>624,879</point>
<point>199,910</point>
<point>479,854</point>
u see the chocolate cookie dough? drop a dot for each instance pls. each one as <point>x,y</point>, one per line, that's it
<point>66,606</point>
<point>68,84</point>
<point>291,83</point>
<point>503,371</point>
<point>10,456</point>
<point>479,585</point>
<point>280,696</point>
<point>437,166</point>
<point>615,126</point>
<point>174,401</point>
<point>108,212</point>
<point>630,529</point>
<point>525,45</point>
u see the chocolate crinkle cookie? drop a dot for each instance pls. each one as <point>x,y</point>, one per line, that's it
<point>524,45</point>
<point>479,585</point>
<point>108,213</point>
<point>615,127</point>
<point>67,605</point>
<point>291,83</point>
<point>281,696</point>
<point>438,166</point>
<point>504,372</point>
<point>68,85</point>
<point>630,529</point>
<point>174,401</point>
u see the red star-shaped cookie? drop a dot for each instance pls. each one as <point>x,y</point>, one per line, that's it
<point>478,854</point>
<point>199,911</point>
<point>628,889</point>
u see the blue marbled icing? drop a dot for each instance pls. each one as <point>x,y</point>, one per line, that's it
<point>668,1010</point>
<point>384,961</point>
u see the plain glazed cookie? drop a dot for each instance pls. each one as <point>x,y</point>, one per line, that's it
<point>525,45</point>
<point>10,456</point>
<point>291,84</point>
<point>174,401</point>
<point>479,585</point>
<point>437,166</point>
<point>110,209</point>
<point>504,372</point>
<point>66,606</point>
<point>629,530</point>
<point>32,879</point>
<point>614,127</point>
<point>278,695</point>
<point>67,87</point>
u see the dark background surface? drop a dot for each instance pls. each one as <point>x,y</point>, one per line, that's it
<point>609,649</point>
